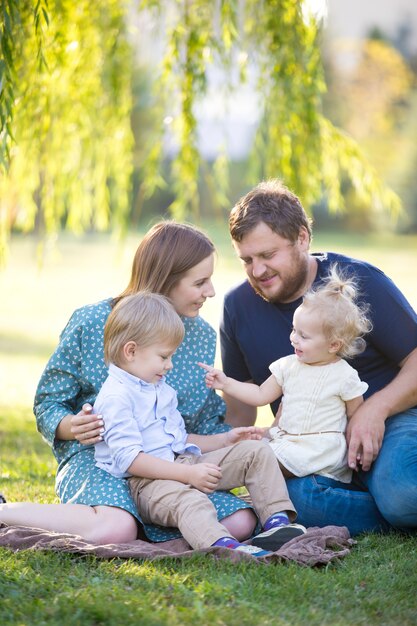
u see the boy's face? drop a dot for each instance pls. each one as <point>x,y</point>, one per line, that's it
<point>307,338</point>
<point>151,363</point>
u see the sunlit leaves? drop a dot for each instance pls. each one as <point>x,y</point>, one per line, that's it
<point>70,164</point>
<point>66,95</point>
<point>275,46</point>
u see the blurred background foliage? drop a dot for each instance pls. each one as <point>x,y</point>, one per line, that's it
<point>103,108</point>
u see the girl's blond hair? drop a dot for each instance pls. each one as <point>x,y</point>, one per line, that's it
<point>343,319</point>
<point>145,318</point>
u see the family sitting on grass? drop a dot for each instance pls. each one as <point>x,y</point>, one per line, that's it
<point>161,449</point>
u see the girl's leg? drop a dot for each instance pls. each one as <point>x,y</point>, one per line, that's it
<point>95,524</point>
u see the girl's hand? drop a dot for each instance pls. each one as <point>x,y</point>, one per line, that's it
<point>244,432</point>
<point>215,379</point>
<point>86,426</point>
<point>265,432</point>
<point>205,476</point>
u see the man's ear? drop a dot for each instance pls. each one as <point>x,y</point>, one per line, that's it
<point>303,238</point>
<point>129,350</point>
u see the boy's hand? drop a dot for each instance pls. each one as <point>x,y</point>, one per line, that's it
<point>244,432</point>
<point>215,379</point>
<point>205,476</point>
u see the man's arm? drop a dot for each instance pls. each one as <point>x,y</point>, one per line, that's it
<point>238,413</point>
<point>366,428</point>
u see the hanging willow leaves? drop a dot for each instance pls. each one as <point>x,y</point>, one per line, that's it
<point>66,100</point>
<point>275,44</point>
<point>70,158</point>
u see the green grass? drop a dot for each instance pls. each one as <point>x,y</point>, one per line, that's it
<point>375,584</point>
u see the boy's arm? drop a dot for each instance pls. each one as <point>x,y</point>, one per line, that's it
<point>249,393</point>
<point>202,476</point>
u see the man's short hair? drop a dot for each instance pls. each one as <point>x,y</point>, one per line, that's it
<point>275,205</point>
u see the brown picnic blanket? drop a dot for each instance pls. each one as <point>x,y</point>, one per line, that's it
<point>318,546</point>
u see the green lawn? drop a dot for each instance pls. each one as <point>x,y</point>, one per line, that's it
<point>376,584</point>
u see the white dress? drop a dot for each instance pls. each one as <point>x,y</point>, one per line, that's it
<point>310,437</point>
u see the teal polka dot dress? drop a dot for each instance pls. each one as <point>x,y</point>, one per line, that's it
<point>74,375</point>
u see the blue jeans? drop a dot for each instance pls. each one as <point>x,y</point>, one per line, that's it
<point>377,500</point>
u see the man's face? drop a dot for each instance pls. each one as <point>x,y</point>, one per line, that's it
<point>276,268</point>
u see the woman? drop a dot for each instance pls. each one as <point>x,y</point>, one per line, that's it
<point>177,261</point>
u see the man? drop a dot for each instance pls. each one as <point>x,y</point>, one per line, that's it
<point>271,234</point>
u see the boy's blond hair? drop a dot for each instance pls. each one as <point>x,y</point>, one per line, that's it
<point>343,319</point>
<point>145,318</point>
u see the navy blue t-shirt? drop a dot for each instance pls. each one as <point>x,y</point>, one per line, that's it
<point>254,333</point>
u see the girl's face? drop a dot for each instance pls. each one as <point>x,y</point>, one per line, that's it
<point>307,338</point>
<point>191,292</point>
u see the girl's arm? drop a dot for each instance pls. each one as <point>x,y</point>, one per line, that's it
<point>207,443</point>
<point>245,392</point>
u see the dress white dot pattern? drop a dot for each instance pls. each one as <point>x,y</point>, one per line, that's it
<point>74,375</point>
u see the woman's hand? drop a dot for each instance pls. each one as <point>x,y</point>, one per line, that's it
<point>86,426</point>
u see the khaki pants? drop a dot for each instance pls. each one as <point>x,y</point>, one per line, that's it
<point>171,503</point>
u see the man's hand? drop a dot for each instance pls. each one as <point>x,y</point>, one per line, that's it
<point>364,435</point>
<point>204,476</point>
<point>86,427</point>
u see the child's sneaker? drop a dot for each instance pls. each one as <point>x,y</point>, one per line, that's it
<point>252,550</point>
<point>233,544</point>
<point>276,536</point>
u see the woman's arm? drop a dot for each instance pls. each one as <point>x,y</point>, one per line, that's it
<point>69,382</point>
<point>86,427</point>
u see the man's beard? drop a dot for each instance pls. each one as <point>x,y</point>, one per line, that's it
<point>291,288</point>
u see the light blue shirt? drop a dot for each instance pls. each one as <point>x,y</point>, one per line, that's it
<point>140,417</point>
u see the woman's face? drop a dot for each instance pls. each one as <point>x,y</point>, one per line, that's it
<point>191,292</point>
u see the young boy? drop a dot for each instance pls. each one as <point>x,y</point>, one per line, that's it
<point>171,472</point>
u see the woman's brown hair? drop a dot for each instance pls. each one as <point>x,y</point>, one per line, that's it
<point>165,254</point>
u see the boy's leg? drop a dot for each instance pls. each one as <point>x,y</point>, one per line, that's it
<point>171,503</point>
<point>253,464</point>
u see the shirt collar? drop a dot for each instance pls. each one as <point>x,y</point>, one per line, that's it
<point>125,377</point>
